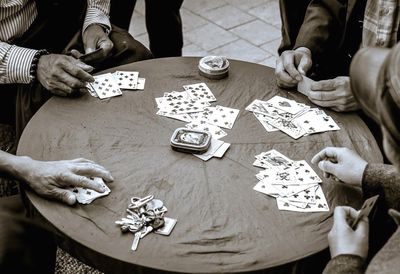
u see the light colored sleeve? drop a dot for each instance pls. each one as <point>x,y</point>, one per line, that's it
<point>97,13</point>
<point>15,64</point>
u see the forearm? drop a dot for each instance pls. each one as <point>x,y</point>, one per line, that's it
<point>345,264</point>
<point>15,166</point>
<point>383,180</point>
<point>97,13</point>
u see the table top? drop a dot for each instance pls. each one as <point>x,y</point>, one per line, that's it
<point>223,224</point>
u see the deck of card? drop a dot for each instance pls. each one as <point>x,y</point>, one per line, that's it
<point>111,84</point>
<point>294,184</point>
<point>293,118</point>
<point>86,196</point>
<point>193,106</point>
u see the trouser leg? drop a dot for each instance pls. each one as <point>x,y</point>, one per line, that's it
<point>164,26</point>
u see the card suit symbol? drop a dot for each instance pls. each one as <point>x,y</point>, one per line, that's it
<point>307,197</point>
<point>263,186</point>
<point>284,104</point>
<point>326,119</point>
<point>331,126</point>
<point>105,80</point>
<point>284,187</point>
<point>317,197</point>
<point>295,195</point>
<point>286,204</point>
<point>307,191</point>
<point>75,190</point>
<point>308,206</point>
<point>206,129</point>
<point>306,122</point>
<point>301,179</point>
<point>231,111</point>
<point>215,120</point>
<point>88,192</point>
<point>121,78</point>
<point>107,89</point>
<point>223,116</point>
<point>320,206</point>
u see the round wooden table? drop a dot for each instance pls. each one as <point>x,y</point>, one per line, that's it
<point>223,224</point>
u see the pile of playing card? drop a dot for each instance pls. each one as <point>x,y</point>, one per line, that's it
<point>86,196</point>
<point>294,184</point>
<point>293,118</point>
<point>110,84</point>
<point>193,105</point>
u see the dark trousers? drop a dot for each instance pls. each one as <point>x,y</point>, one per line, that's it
<point>25,246</point>
<point>163,22</point>
<point>50,32</point>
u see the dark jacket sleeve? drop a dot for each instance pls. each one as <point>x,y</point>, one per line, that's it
<point>345,264</point>
<point>383,180</point>
<point>323,27</point>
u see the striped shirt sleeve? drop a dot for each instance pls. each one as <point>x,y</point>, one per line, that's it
<point>15,64</point>
<point>97,13</point>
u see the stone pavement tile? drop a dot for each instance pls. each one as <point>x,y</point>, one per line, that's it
<point>272,47</point>
<point>191,20</point>
<point>137,25</point>
<point>194,50</point>
<point>269,62</point>
<point>242,50</point>
<point>201,5</point>
<point>246,5</point>
<point>268,12</point>
<point>210,36</point>
<point>257,32</point>
<point>227,16</point>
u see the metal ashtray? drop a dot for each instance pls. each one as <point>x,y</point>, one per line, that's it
<point>214,67</point>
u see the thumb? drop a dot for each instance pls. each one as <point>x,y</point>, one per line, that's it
<point>327,166</point>
<point>65,196</point>
<point>305,65</point>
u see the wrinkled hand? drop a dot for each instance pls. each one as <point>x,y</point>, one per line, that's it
<point>343,163</point>
<point>62,74</point>
<point>94,37</point>
<point>291,65</point>
<point>333,93</point>
<point>344,240</point>
<point>49,179</point>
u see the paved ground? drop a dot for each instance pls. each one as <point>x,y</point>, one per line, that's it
<point>240,29</point>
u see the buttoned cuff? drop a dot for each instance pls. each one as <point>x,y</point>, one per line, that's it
<point>19,62</point>
<point>96,16</point>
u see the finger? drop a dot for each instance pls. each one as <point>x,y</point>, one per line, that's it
<point>326,175</point>
<point>64,195</point>
<point>84,66</point>
<point>62,89</point>
<point>76,54</point>
<point>71,82</point>
<point>328,166</point>
<point>342,214</point>
<point>93,170</point>
<point>324,85</point>
<point>326,104</point>
<point>283,78</point>
<point>59,92</point>
<point>82,160</point>
<point>82,181</point>
<point>362,226</point>
<point>304,65</point>
<point>76,70</point>
<point>106,44</point>
<point>288,64</point>
<point>328,152</point>
<point>323,95</point>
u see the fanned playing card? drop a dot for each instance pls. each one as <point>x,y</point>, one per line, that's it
<point>180,117</point>
<point>288,127</point>
<point>275,160</point>
<point>140,83</point>
<point>315,121</point>
<point>285,104</point>
<point>201,92</point>
<point>263,119</point>
<point>126,79</point>
<point>86,196</point>
<point>215,131</point>
<point>223,117</point>
<point>105,86</point>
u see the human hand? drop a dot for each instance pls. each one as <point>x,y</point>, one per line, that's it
<point>49,179</point>
<point>291,65</point>
<point>62,74</point>
<point>344,240</point>
<point>341,162</point>
<point>333,93</point>
<point>94,37</point>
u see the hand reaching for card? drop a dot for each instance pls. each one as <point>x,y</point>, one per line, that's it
<point>343,163</point>
<point>344,240</point>
<point>62,74</point>
<point>291,65</point>
<point>333,93</point>
<point>50,179</point>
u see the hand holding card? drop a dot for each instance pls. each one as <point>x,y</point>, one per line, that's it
<point>365,210</point>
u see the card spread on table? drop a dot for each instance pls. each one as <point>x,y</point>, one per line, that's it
<point>86,196</point>
<point>223,117</point>
<point>126,79</point>
<point>293,118</point>
<point>105,86</point>
<point>294,184</point>
<point>201,92</point>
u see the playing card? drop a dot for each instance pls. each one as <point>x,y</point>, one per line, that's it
<point>86,196</point>
<point>365,210</point>
<point>257,107</point>
<point>215,131</point>
<point>181,117</point>
<point>201,92</point>
<point>293,204</point>
<point>265,187</point>
<point>288,127</point>
<point>304,173</point>
<point>176,95</point>
<point>126,79</point>
<point>166,229</point>
<point>275,160</point>
<point>91,90</point>
<point>315,121</point>
<point>304,86</point>
<point>183,106</point>
<point>285,104</point>
<point>214,146</point>
<point>264,122</point>
<point>105,86</point>
<point>319,205</point>
<point>223,117</point>
<point>221,151</point>
<point>140,83</point>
